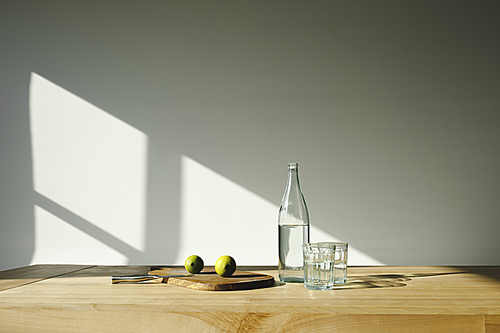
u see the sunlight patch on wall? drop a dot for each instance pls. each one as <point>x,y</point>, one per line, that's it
<point>74,247</point>
<point>221,217</point>
<point>355,257</point>
<point>90,163</point>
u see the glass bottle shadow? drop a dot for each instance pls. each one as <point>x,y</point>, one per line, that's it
<point>383,280</point>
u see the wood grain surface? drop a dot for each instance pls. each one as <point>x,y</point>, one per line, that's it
<point>209,280</point>
<point>375,299</point>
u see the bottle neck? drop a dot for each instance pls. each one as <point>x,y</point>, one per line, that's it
<point>293,209</point>
<point>293,185</point>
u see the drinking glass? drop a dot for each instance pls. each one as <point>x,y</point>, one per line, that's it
<point>318,266</point>
<point>340,265</point>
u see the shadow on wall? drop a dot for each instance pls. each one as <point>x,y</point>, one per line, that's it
<point>391,109</point>
<point>16,185</point>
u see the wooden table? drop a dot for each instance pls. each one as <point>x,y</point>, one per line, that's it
<point>72,298</point>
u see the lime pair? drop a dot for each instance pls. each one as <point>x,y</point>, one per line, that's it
<point>224,266</point>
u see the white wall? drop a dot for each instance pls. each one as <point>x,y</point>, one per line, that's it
<point>141,132</point>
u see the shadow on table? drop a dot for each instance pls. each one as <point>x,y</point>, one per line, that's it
<point>491,272</point>
<point>378,280</point>
<point>384,280</point>
<point>54,271</point>
<point>46,271</point>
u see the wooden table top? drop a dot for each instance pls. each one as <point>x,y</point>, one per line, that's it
<point>77,298</point>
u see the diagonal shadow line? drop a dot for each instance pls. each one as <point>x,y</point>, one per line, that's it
<point>85,226</point>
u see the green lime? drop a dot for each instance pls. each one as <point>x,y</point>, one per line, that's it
<point>194,264</point>
<point>225,266</point>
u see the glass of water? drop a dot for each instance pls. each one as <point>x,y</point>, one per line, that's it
<point>318,266</point>
<point>340,266</point>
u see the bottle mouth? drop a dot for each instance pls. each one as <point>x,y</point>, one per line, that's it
<point>293,165</point>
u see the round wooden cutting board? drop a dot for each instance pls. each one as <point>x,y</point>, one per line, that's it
<point>209,280</point>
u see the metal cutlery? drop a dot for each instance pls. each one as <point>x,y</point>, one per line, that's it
<point>142,278</point>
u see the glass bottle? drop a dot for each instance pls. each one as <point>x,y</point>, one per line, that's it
<point>293,229</point>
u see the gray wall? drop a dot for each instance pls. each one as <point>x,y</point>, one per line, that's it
<point>390,107</point>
